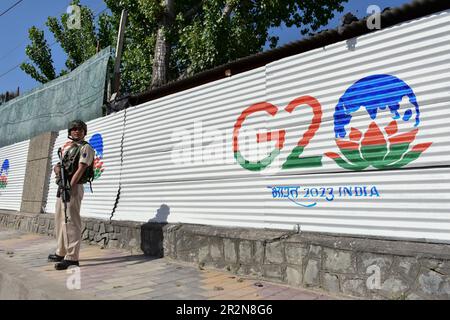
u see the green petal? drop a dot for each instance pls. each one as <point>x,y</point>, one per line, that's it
<point>353,156</point>
<point>374,154</point>
<point>408,158</point>
<point>343,164</point>
<point>396,152</point>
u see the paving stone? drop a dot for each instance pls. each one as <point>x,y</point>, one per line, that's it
<point>330,282</point>
<point>230,251</point>
<point>295,254</point>
<point>338,261</point>
<point>245,252</point>
<point>353,286</point>
<point>115,274</point>
<point>216,251</point>
<point>311,277</point>
<point>274,253</point>
<point>430,282</point>
<point>294,276</point>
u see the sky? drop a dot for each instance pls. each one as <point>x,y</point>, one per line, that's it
<point>15,23</point>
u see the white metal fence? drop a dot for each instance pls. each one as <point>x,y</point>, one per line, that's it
<point>350,138</point>
<point>13,161</point>
<point>105,135</point>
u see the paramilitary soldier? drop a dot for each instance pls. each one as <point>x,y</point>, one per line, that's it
<point>77,159</point>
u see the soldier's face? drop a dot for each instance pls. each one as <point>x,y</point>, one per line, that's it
<point>77,133</point>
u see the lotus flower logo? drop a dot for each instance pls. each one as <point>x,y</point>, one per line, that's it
<point>382,148</point>
<point>96,142</point>
<point>4,174</point>
<point>98,168</point>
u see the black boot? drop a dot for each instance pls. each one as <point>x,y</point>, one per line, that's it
<point>55,258</point>
<point>63,265</point>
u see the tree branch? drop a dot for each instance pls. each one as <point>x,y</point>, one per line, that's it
<point>230,5</point>
<point>227,10</point>
<point>170,9</point>
<point>190,13</point>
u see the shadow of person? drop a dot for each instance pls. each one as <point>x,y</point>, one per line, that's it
<point>129,260</point>
<point>161,214</point>
<point>152,233</point>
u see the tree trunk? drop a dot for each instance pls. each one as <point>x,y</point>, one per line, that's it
<point>162,47</point>
<point>160,60</point>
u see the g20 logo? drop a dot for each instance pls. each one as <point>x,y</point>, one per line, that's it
<point>96,142</point>
<point>381,148</point>
<point>4,170</point>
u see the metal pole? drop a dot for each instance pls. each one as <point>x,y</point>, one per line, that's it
<point>119,48</point>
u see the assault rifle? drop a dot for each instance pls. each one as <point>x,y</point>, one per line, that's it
<point>63,185</point>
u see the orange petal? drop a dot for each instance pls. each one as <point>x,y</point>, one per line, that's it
<point>348,145</point>
<point>391,128</point>
<point>404,137</point>
<point>332,155</point>
<point>355,134</point>
<point>373,136</point>
<point>421,147</point>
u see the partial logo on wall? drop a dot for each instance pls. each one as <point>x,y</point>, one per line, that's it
<point>385,147</point>
<point>96,142</point>
<point>4,174</point>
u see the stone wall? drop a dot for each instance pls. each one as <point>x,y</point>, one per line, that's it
<point>134,236</point>
<point>372,268</point>
<point>362,267</point>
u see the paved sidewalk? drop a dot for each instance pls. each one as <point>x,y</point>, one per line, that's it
<point>119,274</point>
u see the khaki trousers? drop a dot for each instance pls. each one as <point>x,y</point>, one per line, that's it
<point>68,236</point>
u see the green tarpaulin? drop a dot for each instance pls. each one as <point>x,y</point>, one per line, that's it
<point>77,95</point>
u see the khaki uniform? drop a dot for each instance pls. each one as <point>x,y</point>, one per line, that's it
<point>68,236</point>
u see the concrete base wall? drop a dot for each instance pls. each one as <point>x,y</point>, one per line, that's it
<point>38,170</point>
<point>362,267</point>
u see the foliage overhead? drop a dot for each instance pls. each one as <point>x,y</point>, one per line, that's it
<point>8,95</point>
<point>166,40</point>
<point>79,44</point>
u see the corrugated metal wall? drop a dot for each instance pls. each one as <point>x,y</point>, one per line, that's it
<point>414,200</point>
<point>13,161</point>
<point>155,174</point>
<point>105,135</point>
<point>166,174</point>
<point>181,161</point>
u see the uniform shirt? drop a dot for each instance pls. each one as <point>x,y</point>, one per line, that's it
<point>87,153</point>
